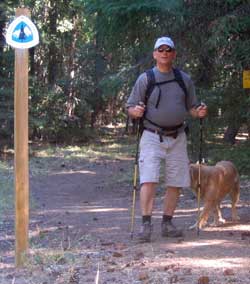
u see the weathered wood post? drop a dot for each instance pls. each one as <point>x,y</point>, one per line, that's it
<point>21,34</point>
<point>21,149</point>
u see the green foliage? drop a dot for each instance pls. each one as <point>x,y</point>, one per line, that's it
<point>6,188</point>
<point>238,154</point>
<point>124,23</point>
<point>6,95</point>
<point>48,119</point>
<point>47,111</point>
<point>111,85</point>
<point>91,52</point>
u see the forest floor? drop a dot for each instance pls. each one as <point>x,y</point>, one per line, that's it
<point>80,230</point>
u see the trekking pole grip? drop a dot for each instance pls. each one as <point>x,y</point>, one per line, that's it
<point>199,175</point>
<point>201,140</point>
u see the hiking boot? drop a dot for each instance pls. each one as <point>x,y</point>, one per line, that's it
<point>168,229</point>
<point>145,233</point>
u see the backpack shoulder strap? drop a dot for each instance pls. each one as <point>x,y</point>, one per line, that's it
<point>180,81</point>
<point>151,84</point>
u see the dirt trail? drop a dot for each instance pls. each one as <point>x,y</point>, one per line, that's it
<point>79,229</point>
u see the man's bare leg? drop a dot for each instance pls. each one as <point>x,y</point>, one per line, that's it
<point>170,200</point>
<point>147,196</point>
<point>170,203</point>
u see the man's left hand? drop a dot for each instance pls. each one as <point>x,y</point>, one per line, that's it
<point>201,111</point>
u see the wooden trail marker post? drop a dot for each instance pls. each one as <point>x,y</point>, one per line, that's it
<point>21,34</point>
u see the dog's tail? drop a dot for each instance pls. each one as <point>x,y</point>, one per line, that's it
<point>235,192</point>
<point>235,195</point>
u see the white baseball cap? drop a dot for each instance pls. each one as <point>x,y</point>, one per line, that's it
<point>164,41</point>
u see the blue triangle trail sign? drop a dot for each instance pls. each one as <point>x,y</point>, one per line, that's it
<point>22,33</point>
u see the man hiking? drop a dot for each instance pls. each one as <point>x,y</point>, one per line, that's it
<point>161,98</point>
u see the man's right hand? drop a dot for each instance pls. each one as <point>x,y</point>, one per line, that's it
<point>136,111</point>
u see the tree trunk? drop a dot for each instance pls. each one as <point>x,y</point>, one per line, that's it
<point>52,64</point>
<point>70,104</point>
<point>99,67</point>
<point>2,39</point>
<point>230,133</point>
<point>32,61</point>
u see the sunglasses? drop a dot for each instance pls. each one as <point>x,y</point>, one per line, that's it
<point>166,49</point>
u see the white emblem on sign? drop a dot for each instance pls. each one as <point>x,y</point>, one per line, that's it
<point>22,33</point>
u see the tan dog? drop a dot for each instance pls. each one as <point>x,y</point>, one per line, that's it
<point>216,182</point>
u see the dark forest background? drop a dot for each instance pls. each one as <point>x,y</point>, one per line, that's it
<point>91,52</point>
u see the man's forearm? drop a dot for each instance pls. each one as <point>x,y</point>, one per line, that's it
<point>136,111</point>
<point>131,112</point>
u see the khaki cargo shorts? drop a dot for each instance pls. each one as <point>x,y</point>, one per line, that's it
<point>172,151</point>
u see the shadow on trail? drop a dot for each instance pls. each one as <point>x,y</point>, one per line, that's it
<point>88,209</point>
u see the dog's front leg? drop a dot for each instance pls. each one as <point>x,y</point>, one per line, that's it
<point>203,216</point>
<point>199,223</point>
<point>235,216</point>
<point>218,220</point>
<point>194,226</point>
<point>235,198</point>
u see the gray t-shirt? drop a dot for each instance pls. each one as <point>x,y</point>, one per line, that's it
<point>171,110</point>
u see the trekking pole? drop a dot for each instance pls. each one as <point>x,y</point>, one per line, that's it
<point>138,135</point>
<point>135,180</point>
<point>199,176</point>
